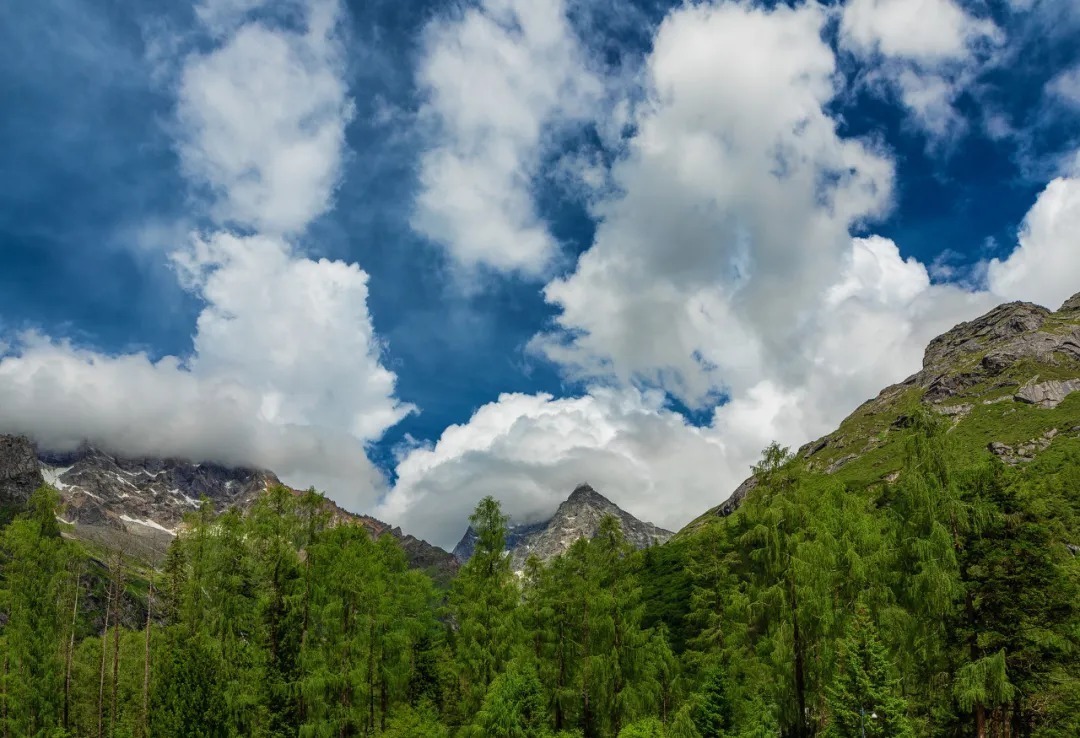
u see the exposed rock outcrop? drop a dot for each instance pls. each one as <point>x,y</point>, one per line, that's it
<point>1048,394</point>
<point>19,472</point>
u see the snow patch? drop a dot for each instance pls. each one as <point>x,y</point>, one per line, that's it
<point>52,475</point>
<point>148,524</point>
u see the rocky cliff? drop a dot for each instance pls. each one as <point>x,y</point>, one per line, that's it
<point>19,472</point>
<point>578,517</point>
<point>1009,383</point>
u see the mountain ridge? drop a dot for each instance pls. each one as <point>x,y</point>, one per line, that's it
<point>1008,381</point>
<point>138,504</point>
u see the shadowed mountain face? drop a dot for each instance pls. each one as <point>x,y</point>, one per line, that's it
<point>138,505</point>
<point>1009,382</point>
<point>578,517</point>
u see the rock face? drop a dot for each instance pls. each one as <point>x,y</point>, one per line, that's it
<point>578,517</point>
<point>516,535</point>
<point>138,505</point>
<point>19,472</point>
<point>1019,360</point>
<point>1048,394</point>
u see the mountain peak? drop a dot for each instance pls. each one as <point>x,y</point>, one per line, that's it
<point>585,494</point>
<point>577,517</point>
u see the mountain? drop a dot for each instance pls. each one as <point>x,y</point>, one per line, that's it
<point>138,504</point>
<point>1009,381</point>
<point>577,517</point>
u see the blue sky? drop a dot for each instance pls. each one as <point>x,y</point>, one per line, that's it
<point>413,253</point>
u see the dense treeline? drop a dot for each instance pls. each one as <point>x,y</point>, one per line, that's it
<point>944,603</point>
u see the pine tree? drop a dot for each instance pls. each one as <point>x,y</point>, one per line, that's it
<point>483,599</point>
<point>865,698</point>
<point>712,713</point>
<point>33,579</point>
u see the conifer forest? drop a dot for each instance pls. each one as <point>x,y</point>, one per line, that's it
<point>941,603</point>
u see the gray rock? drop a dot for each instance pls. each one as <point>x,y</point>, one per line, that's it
<point>1048,394</point>
<point>1071,305</point>
<point>578,517</point>
<point>19,473</point>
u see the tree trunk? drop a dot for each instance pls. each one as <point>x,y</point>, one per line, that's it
<point>800,675</point>
<point>69,655</point>
<point>146,663</point>
<point>101,680</point>
<point>3,698</point>
<point>116,642</point>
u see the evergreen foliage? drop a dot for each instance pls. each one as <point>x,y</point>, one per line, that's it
<point>943,603</point>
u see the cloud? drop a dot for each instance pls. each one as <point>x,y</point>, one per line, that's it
<point>262,123</point>
<point>928,64</point>
<point>734,206</point>
<point>529,451</point>
<point>133,405</point>
<point>723,273</point>
<point>498,79</point>
<point>900,28</point>
<point>1066,87</point>
<point>286,370</point>
<point>1045,266</point>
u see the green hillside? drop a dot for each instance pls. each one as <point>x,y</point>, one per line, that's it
<point>982,377</point>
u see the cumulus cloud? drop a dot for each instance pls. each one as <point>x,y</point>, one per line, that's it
<point>723,272</point>
<point>497,79</point>
<point>1046,264</point>
<point>286,370</point>
<point>262,122</point>
<point>927,51</point>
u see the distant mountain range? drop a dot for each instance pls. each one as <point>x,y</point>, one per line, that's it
<point>138,505</point>
<point>578,517</point>
<point>1008,381</point>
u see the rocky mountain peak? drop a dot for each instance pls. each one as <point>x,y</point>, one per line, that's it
<point>584,494</point>
<point>1071,305</point>
<point>578,516</point>
<point>1003,323</point>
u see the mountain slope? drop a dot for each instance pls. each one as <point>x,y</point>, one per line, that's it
<point>1009,381</point>
<point>577,517</point>
<point>138,505</point>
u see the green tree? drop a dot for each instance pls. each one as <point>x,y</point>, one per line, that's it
<point>482,602</point>
<point>34,586</point>
<point>865,698</point>
<point>514,707</point>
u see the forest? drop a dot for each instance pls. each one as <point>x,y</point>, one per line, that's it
<point>941,603</point>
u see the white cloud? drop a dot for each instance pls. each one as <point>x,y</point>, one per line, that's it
<point>263,121</point>
<point>132,405</point>
<point>1045,266</point>
<point>497,79</point>
<point>928,51</point>
<point>1066,87</point>
<point>530,451</point>
<point>737,196</point>
<point>924,30</point>
<point>286,371</point>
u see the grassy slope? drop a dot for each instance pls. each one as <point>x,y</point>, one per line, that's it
<point>866,448</point>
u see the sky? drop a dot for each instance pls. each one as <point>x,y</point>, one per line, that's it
<point>415,253</point>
